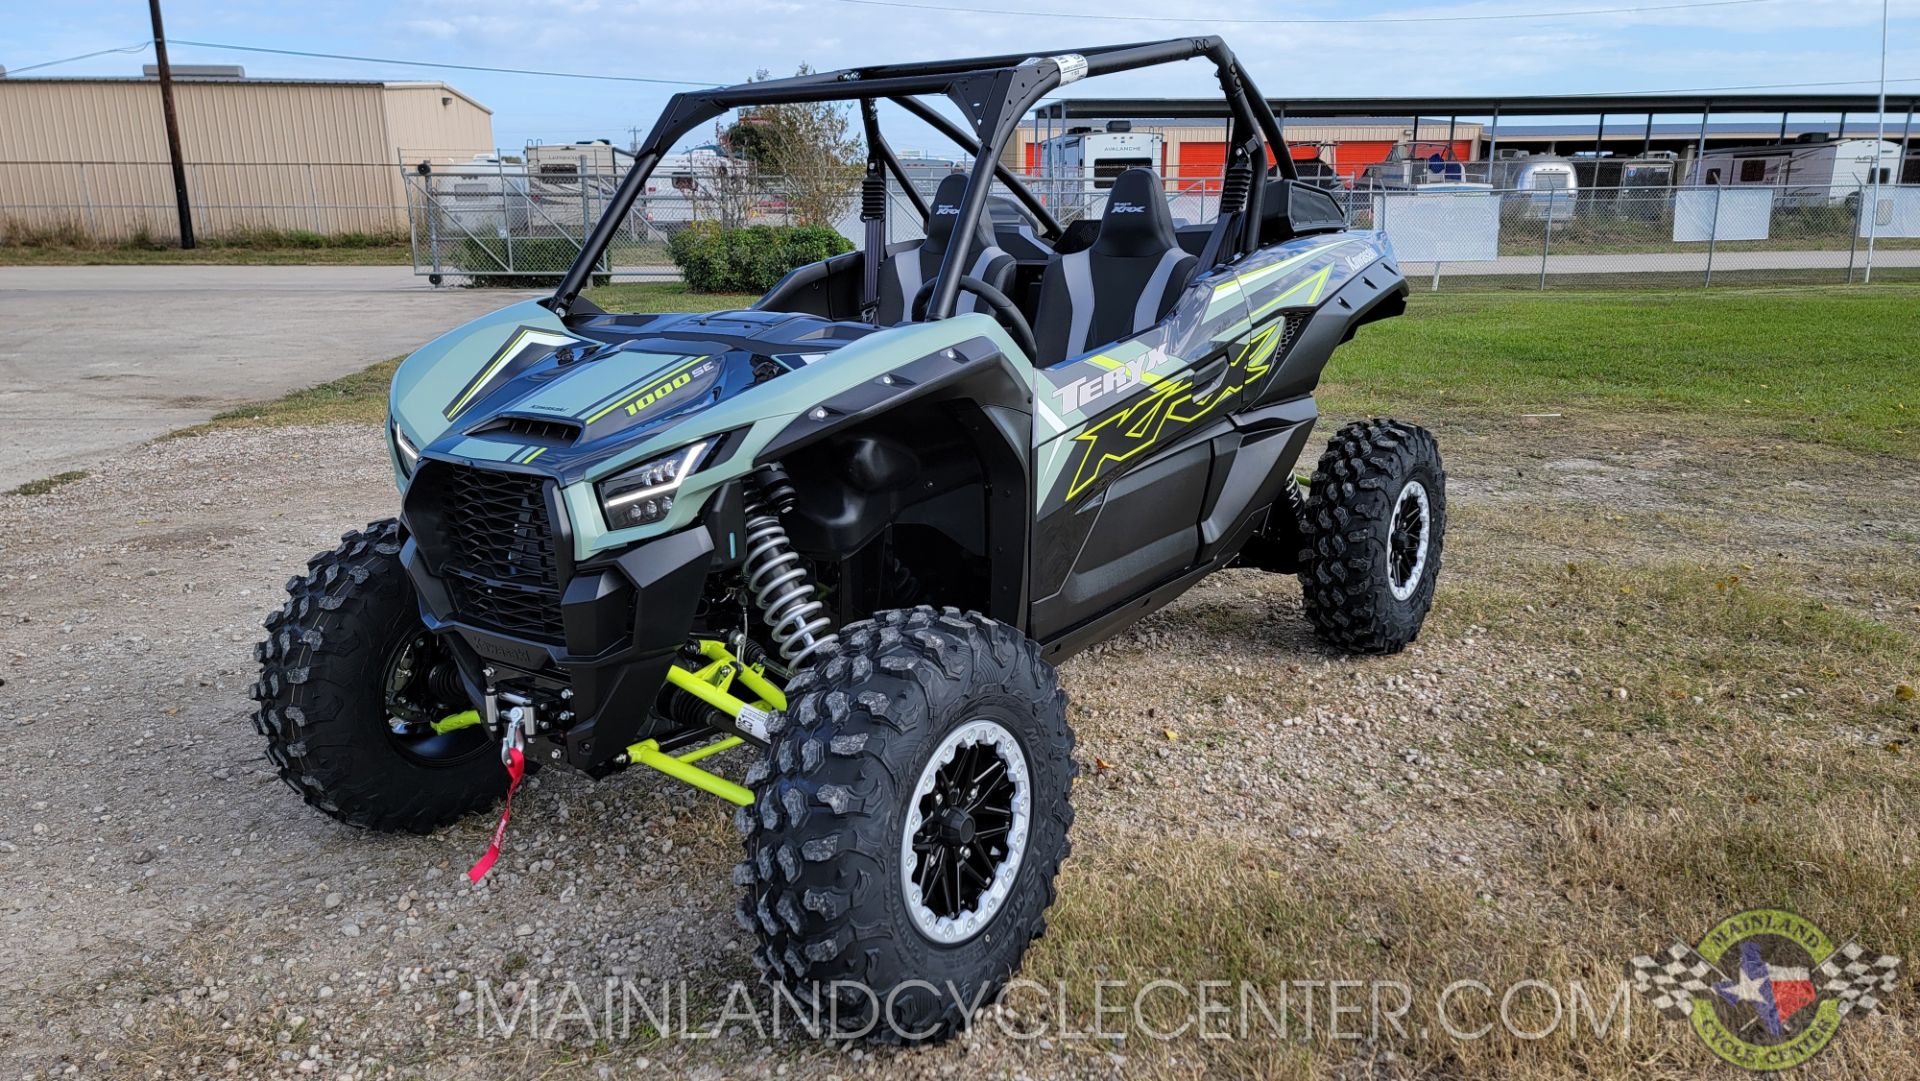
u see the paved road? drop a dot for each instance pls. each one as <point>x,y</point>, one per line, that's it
<point>93,359</point>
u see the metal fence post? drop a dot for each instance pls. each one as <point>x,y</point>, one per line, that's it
<point>86,202</point>
<point>1546,244</point>
<point>506,208</point>
<point>1713,237</point>
<point>1853,232</point>
<point>313,199</point>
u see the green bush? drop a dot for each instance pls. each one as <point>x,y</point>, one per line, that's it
<point>749,260</point>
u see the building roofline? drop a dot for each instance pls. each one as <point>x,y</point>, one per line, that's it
<point>1510,105</point>
<point>206,80</point>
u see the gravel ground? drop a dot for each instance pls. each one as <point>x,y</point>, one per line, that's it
<point>167,907</point>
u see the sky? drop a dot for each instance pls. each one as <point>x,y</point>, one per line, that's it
<point>1730,43</point>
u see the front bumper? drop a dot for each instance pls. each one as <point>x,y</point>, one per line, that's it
<point>623,618</point>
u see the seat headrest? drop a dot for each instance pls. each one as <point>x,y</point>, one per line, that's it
<point>1137,222</point>
<point>944,212</point>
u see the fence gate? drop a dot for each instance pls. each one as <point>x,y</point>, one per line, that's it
<point>495,220</point>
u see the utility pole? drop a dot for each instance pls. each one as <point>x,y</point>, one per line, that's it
<point>173,126</point>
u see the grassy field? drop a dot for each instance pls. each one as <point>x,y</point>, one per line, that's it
<point>1829,365</point>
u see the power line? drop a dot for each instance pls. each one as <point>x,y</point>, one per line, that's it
<point>1354,21</point>
<point>134,48</point>
<point>434,64</point>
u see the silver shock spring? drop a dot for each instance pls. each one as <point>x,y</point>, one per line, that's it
<point>776,577</point>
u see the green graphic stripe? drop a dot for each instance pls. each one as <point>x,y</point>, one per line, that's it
<point>486,375</point>
<point>641,388</point>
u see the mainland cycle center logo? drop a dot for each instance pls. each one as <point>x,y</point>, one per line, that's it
<point>1766,989</point>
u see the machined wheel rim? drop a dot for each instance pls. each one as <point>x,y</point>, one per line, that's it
<point>966,831</point>
<point>1410,533</point>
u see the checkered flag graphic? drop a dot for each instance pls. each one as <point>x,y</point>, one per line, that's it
<point>1855,979</point>
<point>1673,979</point>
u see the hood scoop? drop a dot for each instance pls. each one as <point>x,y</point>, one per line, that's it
<point>534,429</point>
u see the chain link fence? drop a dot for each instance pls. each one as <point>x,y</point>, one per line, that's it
<point>499,218</point>
<point>111,202</point>
<point>1469,237</point>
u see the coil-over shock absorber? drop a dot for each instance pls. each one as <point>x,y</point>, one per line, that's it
<point>777,579</point>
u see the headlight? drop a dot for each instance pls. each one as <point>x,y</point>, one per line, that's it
<point>409,454</point>
<point>644,494</point>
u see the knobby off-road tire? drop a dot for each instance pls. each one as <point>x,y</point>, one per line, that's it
<point>323,704</point>
<point>1376,520</point>
<point>824,888</point>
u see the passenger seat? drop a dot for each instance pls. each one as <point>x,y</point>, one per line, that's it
<point>1124,283</point>
<point>904,272</point>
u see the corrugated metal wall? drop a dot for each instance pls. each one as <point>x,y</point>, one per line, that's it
<point>261,154</point>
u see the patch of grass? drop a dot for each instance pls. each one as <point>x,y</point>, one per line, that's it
<point>664,297</point>
<point>48,484</point>
<point>1825,365</point>
<point>67,243</point>
<point>360,397</point>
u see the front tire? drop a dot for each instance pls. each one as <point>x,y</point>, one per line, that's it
<point>876,896</point>
<point>345,697</point>
<point>1376,522</point>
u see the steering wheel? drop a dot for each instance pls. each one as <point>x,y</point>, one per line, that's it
<point>1003,309</point>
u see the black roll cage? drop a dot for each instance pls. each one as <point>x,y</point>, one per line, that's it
<point>994,93</point>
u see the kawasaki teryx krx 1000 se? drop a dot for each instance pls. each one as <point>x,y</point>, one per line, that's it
<point>852,529</point>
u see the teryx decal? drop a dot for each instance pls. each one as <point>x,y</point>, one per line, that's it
<point>1170,408</point>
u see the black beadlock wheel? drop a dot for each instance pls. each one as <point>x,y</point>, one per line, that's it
<point>346,700</point>
<point>909,819</point>
<point>1376,523</point>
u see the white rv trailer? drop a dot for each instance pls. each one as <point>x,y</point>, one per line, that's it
<point>484,197</point>
<point>1808,172</point>
<point>1077,168</point>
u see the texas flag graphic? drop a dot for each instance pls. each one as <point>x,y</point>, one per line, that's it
<point>1775,992</point>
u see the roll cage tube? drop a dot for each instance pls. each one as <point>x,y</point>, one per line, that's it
<point>994,92</point>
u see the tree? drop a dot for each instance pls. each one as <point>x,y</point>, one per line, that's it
<point>809,150</point>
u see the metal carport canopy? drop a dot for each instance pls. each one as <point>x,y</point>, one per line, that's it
<point>1519,105</point>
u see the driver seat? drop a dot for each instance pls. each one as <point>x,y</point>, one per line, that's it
<point>1124,283</point>
<point>905,271</point>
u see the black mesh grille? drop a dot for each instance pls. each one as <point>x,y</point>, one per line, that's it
<point>500,560</point>
<point>1288,333</point>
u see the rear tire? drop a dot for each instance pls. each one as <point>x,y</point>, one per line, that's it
<point>324,706</point>
<point>861,784</point>
<point>1376,522</point>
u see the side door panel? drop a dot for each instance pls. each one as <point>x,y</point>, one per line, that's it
<point>1123,456</point>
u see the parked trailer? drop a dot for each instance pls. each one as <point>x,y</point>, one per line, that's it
<point>484,197</point>
<point>1806,173</point>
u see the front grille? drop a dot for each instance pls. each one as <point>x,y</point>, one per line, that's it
<point>500,561</point>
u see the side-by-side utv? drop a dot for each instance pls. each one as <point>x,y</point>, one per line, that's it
<point>855,526</point>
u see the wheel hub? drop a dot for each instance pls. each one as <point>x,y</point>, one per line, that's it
<point>966,831</point>
<point>1408,537</point>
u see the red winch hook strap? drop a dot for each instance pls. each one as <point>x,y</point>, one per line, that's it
<point>516,769</point>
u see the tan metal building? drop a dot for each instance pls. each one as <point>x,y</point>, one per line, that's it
<point>319,155</point>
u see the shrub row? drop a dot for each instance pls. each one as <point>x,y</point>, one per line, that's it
<point>751,259</point>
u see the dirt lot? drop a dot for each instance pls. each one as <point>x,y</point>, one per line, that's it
<point>1662,683</point>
